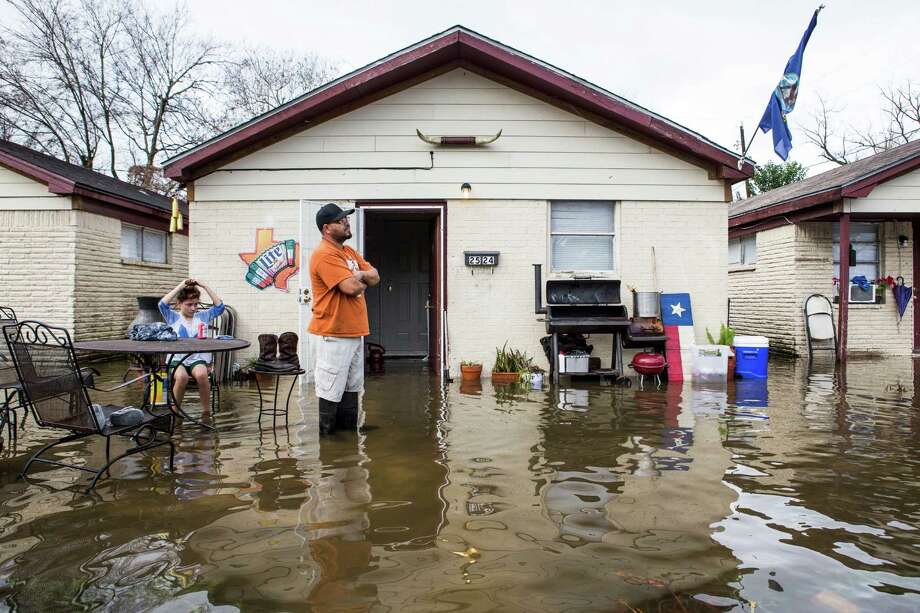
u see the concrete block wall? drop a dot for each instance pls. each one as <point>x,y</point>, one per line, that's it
<point>485,309</point>
<point>872,328</point>
<point>106,287</point>
<point>796,261</point>
<point>690,245</point>
<point>219,232</point>
<point>764,297</point>
<point>38,263</point>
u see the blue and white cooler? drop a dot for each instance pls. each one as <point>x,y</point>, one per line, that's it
<point>751,353</point>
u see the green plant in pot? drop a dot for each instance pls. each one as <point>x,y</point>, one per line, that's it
<point>470,371</point>
<point>248,370</point>
<point>727,338</point>
<point>510,365</point>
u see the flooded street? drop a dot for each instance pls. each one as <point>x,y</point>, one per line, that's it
<point>799,493</point>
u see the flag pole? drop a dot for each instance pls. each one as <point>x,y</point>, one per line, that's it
<point>746,149</point>
<point>795,62</point>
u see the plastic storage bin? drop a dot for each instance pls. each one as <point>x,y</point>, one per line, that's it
<point>573,363</point>
<point>751,353</point>
<point>710,362</point>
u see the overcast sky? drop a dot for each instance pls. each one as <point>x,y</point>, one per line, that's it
<point>707,64</point>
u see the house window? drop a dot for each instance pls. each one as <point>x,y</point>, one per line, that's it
<point>143,244</point>
<point>582,236</point>
<point>742,251</point>
<point>864,252</point>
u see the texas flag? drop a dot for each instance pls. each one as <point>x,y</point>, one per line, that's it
<point>677,317</point>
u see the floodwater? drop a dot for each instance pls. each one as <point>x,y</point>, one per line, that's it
<point>799,494</point>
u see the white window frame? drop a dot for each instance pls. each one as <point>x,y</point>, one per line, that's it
<point>747,250</point>
<point>612,271</point>
<point>835,240</point>
<point>167,251</point>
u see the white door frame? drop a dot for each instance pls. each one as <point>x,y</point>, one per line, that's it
<point>441,210</point>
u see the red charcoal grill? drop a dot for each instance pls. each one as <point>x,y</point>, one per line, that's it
<point>648,364</point>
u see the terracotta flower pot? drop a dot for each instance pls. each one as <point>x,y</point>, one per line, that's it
<point>471,373</point>
<point>505,377</point>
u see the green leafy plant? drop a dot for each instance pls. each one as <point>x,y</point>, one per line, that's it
<point>511,360</point>
<point>470,363</point>
<point>726,336</point>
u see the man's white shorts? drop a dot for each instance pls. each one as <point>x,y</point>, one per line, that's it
<point>339,366</point>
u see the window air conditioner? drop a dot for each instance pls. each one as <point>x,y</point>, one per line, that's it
<point>862,296</point>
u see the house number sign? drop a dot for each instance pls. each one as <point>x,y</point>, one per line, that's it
<point>481,258</point>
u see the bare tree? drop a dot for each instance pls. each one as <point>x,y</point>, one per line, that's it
<point>167,75</point>
<point>260,79</point>
<point>54,77</point>
<point>900,113</point>
<point>823,134</point>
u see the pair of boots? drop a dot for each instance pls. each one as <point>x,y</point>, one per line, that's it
<point>342,414</point>
<point>278,353</point>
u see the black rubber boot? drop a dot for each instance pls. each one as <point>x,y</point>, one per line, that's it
<point>347,415</point>
<point>327,413</point>
<point>268,352</point>
<point>287,350</point>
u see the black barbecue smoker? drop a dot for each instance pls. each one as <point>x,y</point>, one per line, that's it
<point>585,306</point>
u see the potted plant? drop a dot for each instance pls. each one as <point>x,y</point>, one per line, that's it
<point>470,371</point>
<point>510,365</point>
<point>535,377</point>
<point>727,338</point>
<point>248,371</point>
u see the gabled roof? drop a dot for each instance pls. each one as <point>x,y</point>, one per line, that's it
<point>457,46</point>
<point>854,180</point>
<point>64,178</point>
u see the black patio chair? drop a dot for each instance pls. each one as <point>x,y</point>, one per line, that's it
<point>11,396</point>
<point>10,390</point>
<point>56,391</point>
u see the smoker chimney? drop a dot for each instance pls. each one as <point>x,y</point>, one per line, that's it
<point>538,307</point>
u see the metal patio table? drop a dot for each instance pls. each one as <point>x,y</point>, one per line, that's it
<point>148,352</point>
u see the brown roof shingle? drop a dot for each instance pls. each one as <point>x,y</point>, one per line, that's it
<point>836,178</point>
<point>85,177</point>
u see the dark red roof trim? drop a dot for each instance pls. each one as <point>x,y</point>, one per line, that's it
<point>124,208</point>
<point>856,188</point>
<point>454,45</point>
<point>56,184</point>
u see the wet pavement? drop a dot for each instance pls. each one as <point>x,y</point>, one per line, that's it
<point>799,493</point>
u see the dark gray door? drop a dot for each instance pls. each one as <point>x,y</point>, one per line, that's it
<point>405,271</point>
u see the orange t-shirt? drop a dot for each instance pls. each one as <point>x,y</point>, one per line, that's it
<point>336,313</point>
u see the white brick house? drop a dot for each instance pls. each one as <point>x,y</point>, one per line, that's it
<point>785,245</point>
<point>77,247</point>
<point>580,181</point>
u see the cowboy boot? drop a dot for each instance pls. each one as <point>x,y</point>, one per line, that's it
<point>347,415</point>
<point>268,352</point>
<point>327,412</point>
<point>287,350</point>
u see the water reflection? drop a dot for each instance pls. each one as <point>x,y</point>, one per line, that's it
<point>797,493</point>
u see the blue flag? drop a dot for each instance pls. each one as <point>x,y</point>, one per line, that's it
<point>782,100</point>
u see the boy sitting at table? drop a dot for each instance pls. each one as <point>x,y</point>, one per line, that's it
<point>185,320</point>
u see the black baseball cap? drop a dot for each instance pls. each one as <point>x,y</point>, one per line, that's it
<point>330,213</point>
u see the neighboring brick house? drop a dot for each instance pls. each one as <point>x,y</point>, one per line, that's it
<point>77,247</point>
<point>785,245</point>
<point>580,181</point>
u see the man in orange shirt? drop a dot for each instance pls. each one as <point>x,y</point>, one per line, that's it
<point>339,276</point>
